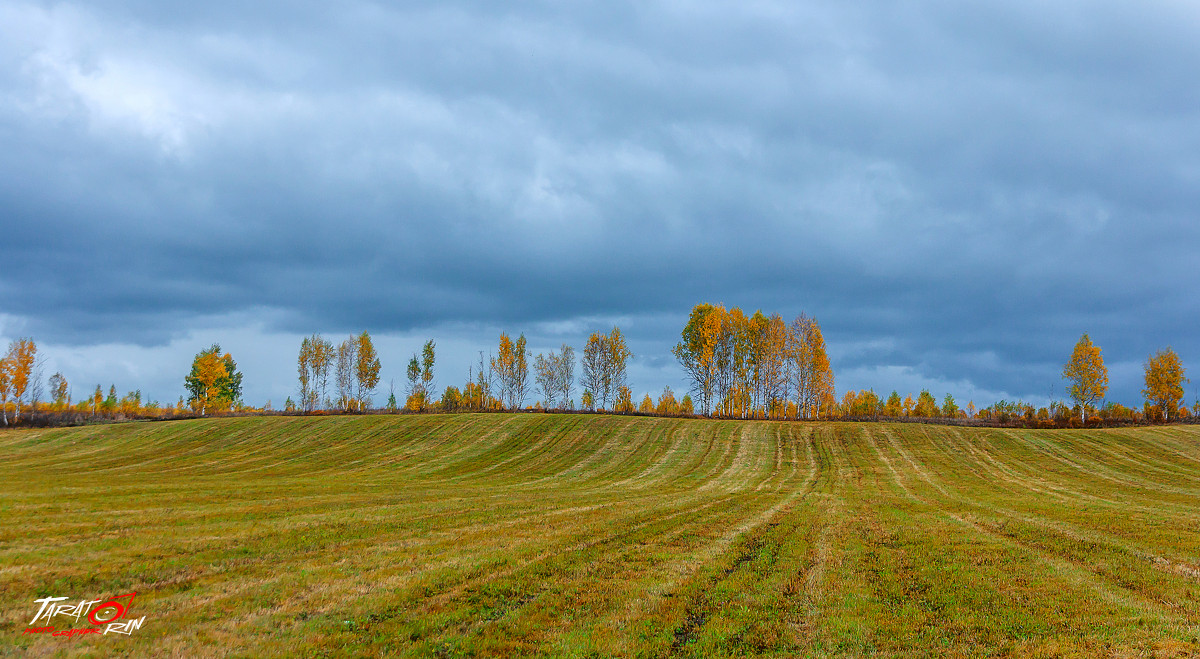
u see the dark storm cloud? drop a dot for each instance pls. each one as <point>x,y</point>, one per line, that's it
<point>957,189</point>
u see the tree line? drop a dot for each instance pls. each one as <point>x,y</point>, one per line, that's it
<point>1087,383</point>
<point>737,366</point>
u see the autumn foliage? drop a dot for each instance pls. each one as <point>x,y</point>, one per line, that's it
<point>1086,373</point>
<point>1164,382</point>
<point>739,366</point>
<point>756,366</point>
<point>214,383</point>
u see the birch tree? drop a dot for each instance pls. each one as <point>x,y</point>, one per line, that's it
<point>566,373</point>
<point>344,378</point>
<point>22,352</point>
<point>316,356</point>
<point>1087,374</point>
<point>695,353</point>
<point>366,371</point>
<point>6,372</point>
<point>545,377</point>
<point>591,378</point>
<point>428,357</point>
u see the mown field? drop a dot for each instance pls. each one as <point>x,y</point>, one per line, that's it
<point>596,536</point>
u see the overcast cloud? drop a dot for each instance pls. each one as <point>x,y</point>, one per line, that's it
<point>955,190</point>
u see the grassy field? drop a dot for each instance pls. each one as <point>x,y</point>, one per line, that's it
<point>595,536</point>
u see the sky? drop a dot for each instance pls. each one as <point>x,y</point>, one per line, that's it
<point>956,191</point>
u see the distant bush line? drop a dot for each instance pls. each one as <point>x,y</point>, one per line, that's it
<point>59,419</point>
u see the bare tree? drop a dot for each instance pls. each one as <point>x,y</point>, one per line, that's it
<point>546,376</point>
<point>37,386</point>
<point>347,353</point>
<point>595,358</point>
<point>520,372</point>
<point>566,373</point>
<point>484,379</point>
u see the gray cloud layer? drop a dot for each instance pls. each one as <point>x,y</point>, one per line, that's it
<point>953,188</point>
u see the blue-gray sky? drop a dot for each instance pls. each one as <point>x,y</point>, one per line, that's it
<point>955,190</point>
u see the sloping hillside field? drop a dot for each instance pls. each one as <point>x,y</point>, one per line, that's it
<point>576,535</point>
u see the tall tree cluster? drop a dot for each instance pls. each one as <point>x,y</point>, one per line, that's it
<point>312,364</point>
<point>355,366</point>
<point>511,369</point>
<point>554,375</point>
<point>605,358</point>
<point>755,366</point>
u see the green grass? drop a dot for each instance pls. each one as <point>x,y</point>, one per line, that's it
<point>596,536</point>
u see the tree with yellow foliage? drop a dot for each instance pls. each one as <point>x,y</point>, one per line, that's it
<point>511,365</point>
<point>1087,374</point>
<point>1164,382</point>
<point>667,405</point>
<point>6,371</point>
<point>811,372</point>
<point>21,354</point>
<point>316,356</point>
<point>214,383</point>
<point>926,407</point>
<point>97,398</point>
<point>894,406</point>
<point>207,370</point>
<point>696,352</point>
<point>647,406</point>
<point>366,369</point>
<point>624,400</point>
<point>753,366</point>
<point>605,358</point>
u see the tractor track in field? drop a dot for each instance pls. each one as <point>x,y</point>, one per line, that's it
<point>751,538</point>
<point>1071,570</point>
<point>1095,470</point>
<point>1075,532</point>
<point>588,535</point>
<point>714,548</point>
